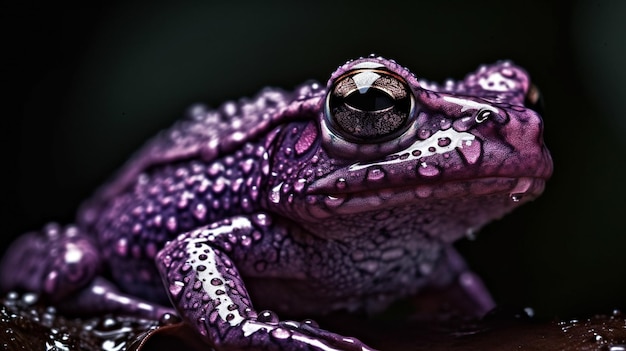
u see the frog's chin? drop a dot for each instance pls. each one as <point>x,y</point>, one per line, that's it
<point>508,192</point>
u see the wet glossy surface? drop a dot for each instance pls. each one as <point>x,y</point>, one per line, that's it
<point>305,202</point>
<point>26,324</point>
<point>573,232</point>
<point>346,197</point>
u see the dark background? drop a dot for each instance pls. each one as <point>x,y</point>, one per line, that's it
<point>86,85</point>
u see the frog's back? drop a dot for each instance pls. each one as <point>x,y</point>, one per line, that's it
<point>207,134</point>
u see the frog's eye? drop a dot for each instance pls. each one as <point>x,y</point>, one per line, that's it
<point>369,105</point>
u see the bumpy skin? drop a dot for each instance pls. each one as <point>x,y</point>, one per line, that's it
<point>325,198</point>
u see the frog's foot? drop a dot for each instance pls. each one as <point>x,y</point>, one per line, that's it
<point>61,264</point>
<point>101,296</point>
<point>455,289</point>
<point>209,293</point>
<point>292,335</point>
<point>55,262</point>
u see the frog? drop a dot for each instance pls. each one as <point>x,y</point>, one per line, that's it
<point>346,196</point>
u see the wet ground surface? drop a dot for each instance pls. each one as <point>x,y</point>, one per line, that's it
<point>27,324</point>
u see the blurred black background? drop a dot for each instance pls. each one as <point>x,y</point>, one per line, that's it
<point>85,85</point>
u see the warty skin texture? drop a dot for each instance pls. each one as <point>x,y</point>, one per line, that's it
<point>343,197</point>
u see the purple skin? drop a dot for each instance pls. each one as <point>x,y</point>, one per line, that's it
<point>344,197</point>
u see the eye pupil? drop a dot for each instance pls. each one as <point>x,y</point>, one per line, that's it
<point>369,106</point>
<point>370,100</point>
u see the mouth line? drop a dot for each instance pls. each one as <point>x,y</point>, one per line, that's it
<point>522,185</point>
<point>503,192</point>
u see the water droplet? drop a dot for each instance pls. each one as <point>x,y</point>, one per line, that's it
<point>185,268</point>
<point>281,333</point>
<point>12,295</point>
<point>246,240</point>
<point>267,317</point>
<point>171,224</point>
<point>507,72</point>
<point>426,170</point>
<point>462,124</point>
<point>334,201</point>
<point>521,187</point>
<point>290,324</point>
<point>310,323</point>
<point>375,174</point>
<point>275,193</point>
<point>29,298</point>
<point>262,219</point>
<point>219,185</point>
<point>423,191</point>
<point>341,183</point>
<point>200,211</point>
<point>254,192</point>
<point>169,319</point>
<point>215,169</point>
<point>246,166</point>
<point>442,142</point>
<point>265,167</point>
<point>445,124</point>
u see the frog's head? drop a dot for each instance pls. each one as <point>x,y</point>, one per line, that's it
<point>382,141</point>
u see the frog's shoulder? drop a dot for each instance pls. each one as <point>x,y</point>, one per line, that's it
<point>209,133</point>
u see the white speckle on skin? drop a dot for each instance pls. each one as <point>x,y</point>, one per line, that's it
<point>469,104</point>
<point>458,139</point>
<point>250,327</point>
<point>314,342</point>
<point>206,276</point>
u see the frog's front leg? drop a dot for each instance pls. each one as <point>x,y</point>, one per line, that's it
<point>63,265</point>
<point>205,286</point>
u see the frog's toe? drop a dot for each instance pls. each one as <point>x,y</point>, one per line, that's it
<point>56,262</point>
<point>334,340</point>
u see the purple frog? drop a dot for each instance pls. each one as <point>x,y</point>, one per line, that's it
<point>339,197</point>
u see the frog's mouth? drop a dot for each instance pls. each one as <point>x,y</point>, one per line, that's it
<point>509,191</point>
<point>448,166</point>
